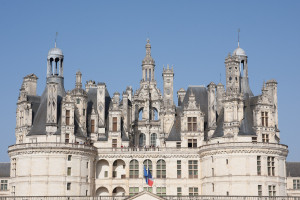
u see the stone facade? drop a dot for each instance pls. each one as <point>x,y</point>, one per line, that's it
<point>216,141</point>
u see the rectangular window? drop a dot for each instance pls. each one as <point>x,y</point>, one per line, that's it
<point>271,166</point>
<point>264,119</point>
<point>83,112</point>
<point>92,126</point>
<point>258,165</point>
<point>133,191</point>
<point>259,188</point>
<point>193,191</point>
<point>179,191</point>
<point>67,117</point>
<point>149,189</point>
<point>178,168</point>
<point>4,184</point>
<point>272,190</point>
<point>115,124</point>
<point>254,139</point>
<point>114,143</point>
<point>213,187</point>
<point>161,191</point>
<point>14,167</point>
<point>192,123</point>
<point>69,171</point>
<point>87,179</point>
<point>87,165</point>
<point>192,143</point>
<point>212,172</point>
<point>265,138</point>
<point>296,184</point>
<point>68,186</point>
<point>178,145</point>
<point>69,157</point>
<point>193,169</point>
<point>67,138</point>
<point>106,174</point>
<point>78,101</point>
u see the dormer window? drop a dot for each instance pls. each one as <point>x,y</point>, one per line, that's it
<point>264,119</point>
<point>192,123</point>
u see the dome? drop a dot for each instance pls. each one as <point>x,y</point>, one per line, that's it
<point>239,52</point>
<point>55,51</point>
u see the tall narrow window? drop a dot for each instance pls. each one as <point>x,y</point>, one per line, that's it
<point>193,169</point>
<point>258,165</point>
<point>212,172</point>
<point>213,187</point>
<point>69,157</point>
<point>148,165</point>
<point>161,169</point>
<point>92,126</point>
<point>67,117</point>
<point>69,171</point>
<point>3,185</point>
<point>142,140</point>
<point>68,186</point>
<point>192,123</point>
<point>264,119</point>
<point>114,143</point>
<point>134,169</point>
<point>271,166</point>
<point>67,139</point>
<point>179,191</point>
<point>115,124</point>
<point>153,139</point>
<point>178,168</point>
<point>265,138</point>
<point>259,188</point>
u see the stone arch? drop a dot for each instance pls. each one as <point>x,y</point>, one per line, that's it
<point>102,168</point>
<point>140,113</point>
<point>118,170</point>
<point>118,191</point>
<point>102,191</point>
<point>154,114</point>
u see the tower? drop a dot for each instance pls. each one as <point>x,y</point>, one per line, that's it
<point>168,78</point>
<point>148,65</point>
<point>55,62</point>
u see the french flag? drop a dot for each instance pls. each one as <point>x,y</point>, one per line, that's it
<point>145,175</point>
<point>150,179</point>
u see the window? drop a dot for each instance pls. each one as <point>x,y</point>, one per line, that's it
<point>272,190</point>
<point>69,157</point>
<point>161,191</point>
<point>14,167</point>
<point>258,165</point>
<point>78,101</point>
<point>86,192</point>
<point>259,188</point>
<point>148,165</point>
<point>83,112</point>
<point>69,171</point>
<point>106,174</point>
<point>87,179</point>
<point>264,119</point>
<point>115,124</point>
<point>133,191</point>
<point>87,165</point>
<point>68,186</point>
<point>153,139</point>
<point>193,191</point>
<point>92,126</point>
<point>142,140</point>
<point>226,161</point>
<point>212,172</point>
<point>193,169</point>
<point>213,187</point>
<point>265,138</point>
<point>178,145</point>
<point>179,191</point>
<point>254,139</point>
<point>192,143</point>
<point>161,169</point>
<point>134,169</point>
<point>114,143</point>
<point>67,117</point>
<point>149,189</point>
<point>178,168</point>
<point>271,166</point>
<point>192,123</point>
<point>3,186</point>
<point>67,139</point>
<point>296,184</point>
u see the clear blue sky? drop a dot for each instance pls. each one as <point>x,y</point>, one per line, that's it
<point>106,40</point>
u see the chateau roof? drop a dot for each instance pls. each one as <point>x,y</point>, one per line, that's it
<point>175,133</point>
<point>293,169</point>
<point>4,169</point>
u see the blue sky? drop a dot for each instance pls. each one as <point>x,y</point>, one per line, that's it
<point>106,40</point>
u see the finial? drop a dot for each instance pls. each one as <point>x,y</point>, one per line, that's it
<point>220,77</point>
<point>55,39</point>
<point>168,66</point>
<point>239,37</point>
<point>148,40</point>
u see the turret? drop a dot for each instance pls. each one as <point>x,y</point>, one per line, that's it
<point>168,78</point>
<point>30,83</point>
<point>181,94</point>
<point>148,64</point>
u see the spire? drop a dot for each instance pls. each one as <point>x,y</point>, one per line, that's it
<point>55,39</point>
<point>78,80</point>
<point>148,48</point>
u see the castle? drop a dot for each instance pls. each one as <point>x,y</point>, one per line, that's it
<point>84,142</point>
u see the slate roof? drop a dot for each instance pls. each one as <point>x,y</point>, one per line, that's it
<point>245,88</point>
<point>175,133</point>
<point>293,169</point>
<point>246,127</point>
<point>4,169</point>
<point>219,130</point>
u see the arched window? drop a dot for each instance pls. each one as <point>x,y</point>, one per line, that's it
<point>148,165</point>
<point>153,139</point>
<point>134,169</point>
<point>161,169</point>
<point>142,140</point>
<point>141,114</point>
<point>153,114</point>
